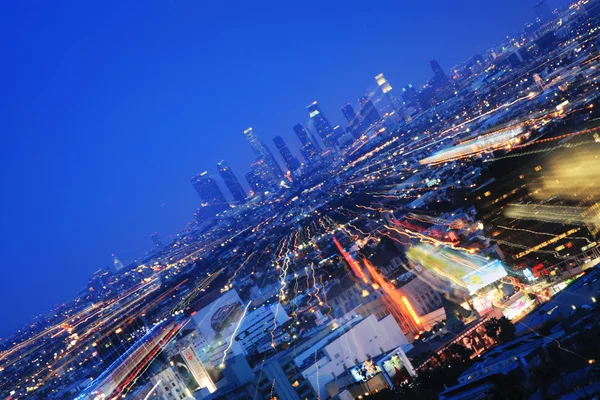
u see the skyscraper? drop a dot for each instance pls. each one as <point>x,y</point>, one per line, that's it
<point>261,178</point>
<point>117,263</point>
<point>350,114</point>
<point>543,11</point>
<point>156,240</point>
<point>276,168</point>
<point>290,161</point>
<point>262,152</point>
<point>231,182</point>
<point>310,149</point>
<point>321,124</point>
<point>253,181</point>
<point>338,133</point>
<point>386,89</point>
<point>410,96</point>
<point>440,78</point>
<point>210,194</point>
<point>368,111</point>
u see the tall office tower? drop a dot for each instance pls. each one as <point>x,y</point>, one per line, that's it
<point>368,111</point>
<point>252,181</point>
<point>117,263</point>
<point>338,133</point>
<point>350,114</point>
<point>354,123</point>
<point>156,240</point>
<point>440,77</point>
<point>276,168</point>
<point>543,11</point>
<point>262,152</point>
<point>321,124</point>
<point>290,161</point>
<point>409,95</point>
<point>310,149</point>
<point>261,178</point>
<point>386,89</point>
<point>231,182</point>
<point>212,198</point>
<point>426,97</point>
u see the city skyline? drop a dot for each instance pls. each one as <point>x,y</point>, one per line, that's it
<point>109,167</point>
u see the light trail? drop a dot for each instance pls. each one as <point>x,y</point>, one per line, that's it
<point>222,365</point>
<point>426,239</point>
<point>312,267</point>
<point>152,390</point>
<point>393,299</point>
<point>351,262</point>
<point>240,267</point>
<point>498,139</point>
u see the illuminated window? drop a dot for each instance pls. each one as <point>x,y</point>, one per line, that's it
<point>538,168</point>
<point>486,194</point>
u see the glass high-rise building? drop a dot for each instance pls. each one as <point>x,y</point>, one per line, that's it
<point>310,149</point>
<point>231,182</point>
<point>261,178</point>
<point>262,152</point>
<point>410,95</point>
<point>321,124</point>
<point>368,110</point>
<point>212,198</point>
<point>117,263</point>
<point>440,78</point>
<point>290,161</point>
<point>350,114</point>
<point>253,181</point>
<point>388,92</point>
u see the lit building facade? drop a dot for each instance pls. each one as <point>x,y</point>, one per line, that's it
<point>211,195</point>
<point>231,182</point>
<point>310,149</point>
<point>290,161</point>
<point>168,385</point>
<point>262,152</point>
<point>388,92</point>
<point>261,178</point>
<point>367,111</point>
<point>321,124</point>
<point>350,114</point>
<point>363,340</point>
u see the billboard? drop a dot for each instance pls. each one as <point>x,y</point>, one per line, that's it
<point>364,371</point>
<point>483,276</point>
<point>468,271</point>
<point>191,370</point>
<point>396,367</point>
<point>218,319</point>
<point>517,306</point>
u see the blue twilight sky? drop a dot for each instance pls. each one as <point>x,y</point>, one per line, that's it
<point>109,108</point>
